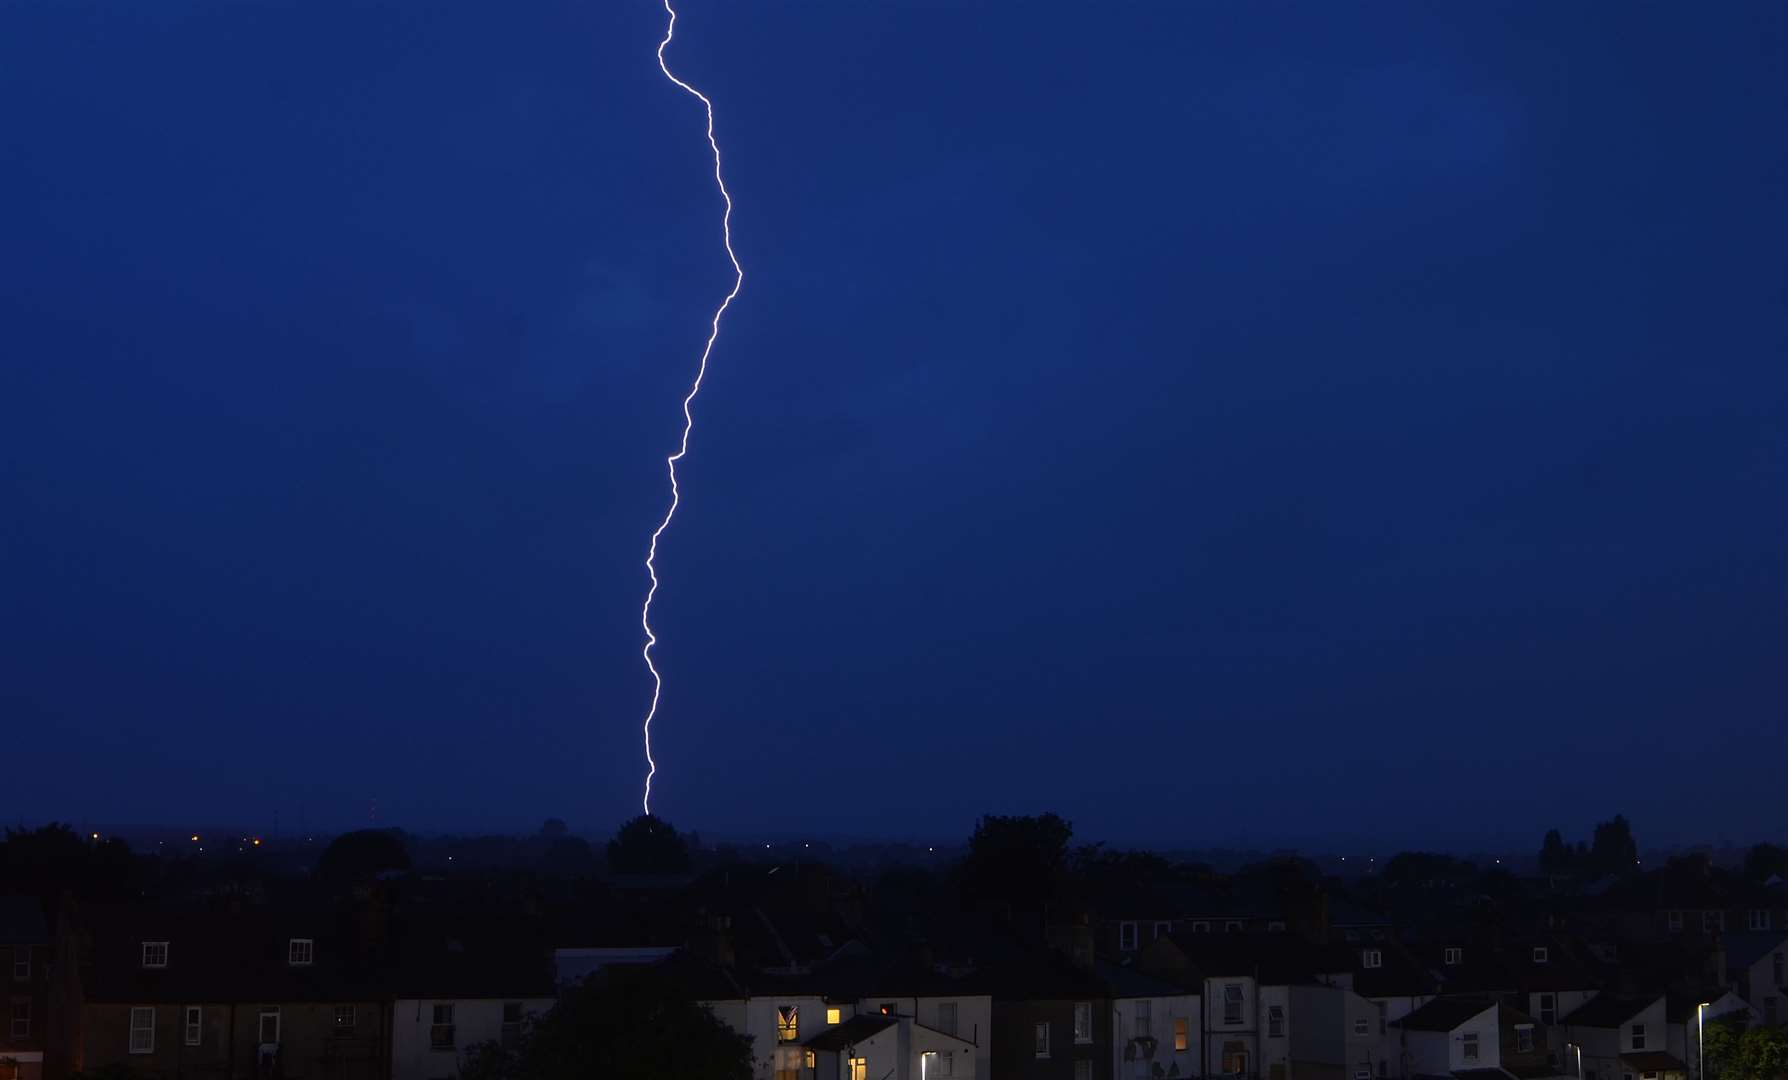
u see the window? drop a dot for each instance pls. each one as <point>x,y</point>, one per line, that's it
<point>142,1031</point>
<point>1231,927</point>
<point>888,1009</point>
<point>21,963</point>
<point>1127,937</point>
<point>834,1015</point>
<point>946,1017</point>
<point>441,1030</point>
<point>946,1063</point>
<point>1713,920</point>
<point>155,955</point>
<point>1277,926</point>
<point>1144,1017</point>
<point>1454,956</point>
<point>1083,1021</point>
<point>1083,1070</point>
<point>1235,1057</point>
<point>1162,929</point>
<point>859,1069</point>
<point>1181,1034</point>
<point>788,1022</point>
<point>512,1023</point>
<point>195,1026</point>
<point>1541,954</point>
<point>1043,1036</point>
<point>1759,920</point>
<point>1638,1037</point>
<point>1470,1041</point>
<point>300,951</point>
<point>1548,1008</point>
<point>1524,1038</point>
<point>809,1060</point>
<point>21,1019</point>
<point>1362,1027</point>
<point>1232,1003</point>
<point>1201,927</point>
<point>1674,920</point>
<point>1276,1021</point>
<point>345,1018</point>
<point>1372,958</point>
<point>269,1028</point>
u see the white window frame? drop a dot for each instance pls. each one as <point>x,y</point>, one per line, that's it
<point>1524,1038</point>
<point>1713,920</point>
<point>192,1019</point>
<point>21,963</point>
<point>301,952</point>
<point>1371,958</point>
<point>155,954</point>
<point>1636,1036</point>
<point>146,1030</point>
<point>1548,1008</point>
<point>1232,995</point>
<point>20,1029</point>
<point>1083,1023</point>
<point>268,1011</point>
<point>438,1027</point>
<point>1126,937</point>
<point>1362,1027</point>
<point>1275,1021</point>
<point>1142,1018</point>
<point>1542,954</point>
<point>1759,919</point>
<point>1041,1037</point>
<point>1454,956</point>
<point>1468,1046</point>
<point>1673,919</point>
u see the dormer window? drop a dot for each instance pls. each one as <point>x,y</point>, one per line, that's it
<point>788,1023</point>
<point>1372,958</point>
<point>155,954</point>
<point>1541,954</point>
<point>301,951</point>
<point>1454,956</point>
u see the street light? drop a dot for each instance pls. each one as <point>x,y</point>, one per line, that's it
<point>1701,1039</point>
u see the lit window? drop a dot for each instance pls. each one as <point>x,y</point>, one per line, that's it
<point>1638,1036</point>
<point>1127,937</point>
<point>1454,956</point>
<point>1042,1037</point>
<point>1541,954</point>
<point>270,1024</point>
<point>1232,1003</point>
<point>1524,1038</point>
<point>142,1031</point>
<point>1275,1021</point>
<point>155,955</point>
<point>834,1015</point>
<point>808,1059</point>
<point>21,1019</point>
<point>859,1069</point>
<point>442,1031</point>
<point>21,963</point>
<point>1180,1033</point>
<point>946,1017</point>
<point>300,951</point>
<point>1372,958</point>
<point>1083,1021</point>
<point>1470,1039</point>
<point>195,1027</point>
<point>788,1023</point>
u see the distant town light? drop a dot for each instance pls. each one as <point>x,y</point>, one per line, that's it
<point>195,838</point>
<point>257,841</point>
<point>96,836</point>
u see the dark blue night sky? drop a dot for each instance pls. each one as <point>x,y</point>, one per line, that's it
<point>1217,422</point>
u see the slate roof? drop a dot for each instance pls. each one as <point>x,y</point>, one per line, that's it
<point>1444,1014</point>
<point>855,1030</point>
<point>1608,1010</point>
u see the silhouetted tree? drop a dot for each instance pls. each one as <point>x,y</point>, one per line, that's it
<point>54,859</point>
<point>1614,851</point>
<point>1413,867</point>
<point>357,857</point>
<point>553,828</point>
<point>648,845</point>
<point>569,857</point>
<point>627,1026</point>
<point>1017,861</point>
<point>1734,1052</point>
<point>1764,860</point>
<point>1555,854</point>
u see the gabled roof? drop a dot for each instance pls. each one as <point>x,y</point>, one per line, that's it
<point>1609,1010</point>
<point>1444,1014</point>
<point>853,1031</point>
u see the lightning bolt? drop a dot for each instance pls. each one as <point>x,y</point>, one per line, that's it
<point>670,463</point>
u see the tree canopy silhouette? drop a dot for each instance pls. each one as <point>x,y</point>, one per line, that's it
<point>648,845</point>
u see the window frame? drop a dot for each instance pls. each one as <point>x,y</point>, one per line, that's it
<point>834,1015</point>
<point>1548,1007</point>
<point>155,955</point>
<point>1040,1038</point>
<point>1636,1034</point>
<point>788,1024</point>
<point>192,1024</point>
<point>1542,954</point>
<point>301,952</point>
<point>1362,1026</point>
<point>1524,1043</point>
<point>268,1011</point>
<point>1127,933</point>
<point>1234,1005</point>
<point>353,1014</point>
<point>1372,958</point>
<point>147,1030</point>
<point>1275,1021</point>
<point>1142,1018</point>
<point>1083,1032</point>
<point>1759,919</point>
<point>1468,1046</point>
<point>1673,920</point>
<point>1182,1034</point>
<point>437,1027</point>
<point>21,963</point>
<point>13,1019</point>
<point>1454,956</point>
